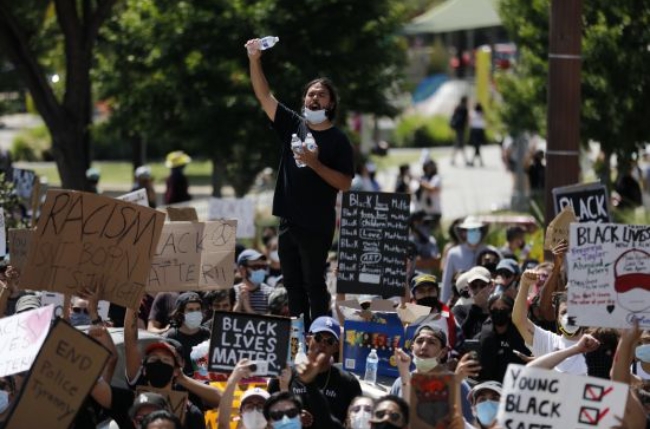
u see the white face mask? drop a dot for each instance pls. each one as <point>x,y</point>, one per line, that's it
<point>275,256</point>
<point>315,116</point>
<point>361,420</point>
<point>4,401</point>
<point>253,419</point>
<point>425,365</point>
<point>193,319</point>
<point>564,321</point>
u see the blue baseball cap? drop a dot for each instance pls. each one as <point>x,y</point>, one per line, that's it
<point>326,324</point>
<point>509,265</point>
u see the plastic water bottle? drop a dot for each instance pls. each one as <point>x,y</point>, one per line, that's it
<point>372,363</point>
<point>268,42</point>
<point>301,356</point>
<point>310,142</point>
<point>296,147</point>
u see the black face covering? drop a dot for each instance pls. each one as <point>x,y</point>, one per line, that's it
<point>429,301</point>
<point>384,425</point>
<point>158,373</point>
<point>500,317</point>
<point>490,266</point>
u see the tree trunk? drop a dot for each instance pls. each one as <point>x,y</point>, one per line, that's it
<point>605,173</point>
<point>218,173</point>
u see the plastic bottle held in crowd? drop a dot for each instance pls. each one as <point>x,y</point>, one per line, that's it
<point>268,42</point>
<point>301,356</point>
<point>372,363</point>
<point>296,147</point>
<point>310,142</point>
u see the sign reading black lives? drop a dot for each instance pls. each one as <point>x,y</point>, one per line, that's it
<point>589,201</point>
<point>373,243</point>
<point>263,340</point>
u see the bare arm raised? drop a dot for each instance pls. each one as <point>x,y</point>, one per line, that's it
<point>260,84</point>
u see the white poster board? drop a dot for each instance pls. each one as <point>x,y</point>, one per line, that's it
<point>57,300</point>
<point>23,183</point>
<point>3,234</point>
<point>608,267</point>
<point>540,398</point>
<point>138,197</point>
<point>21,337</point>
<point>242,209</point>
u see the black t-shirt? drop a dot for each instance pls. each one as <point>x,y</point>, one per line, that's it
<point>302,196</point>
<point>339,387</point>
<point>496,351</point>
<point>188,341</point>
<point>162,307</point>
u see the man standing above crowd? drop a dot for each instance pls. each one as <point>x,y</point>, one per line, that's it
<point>305,197</point>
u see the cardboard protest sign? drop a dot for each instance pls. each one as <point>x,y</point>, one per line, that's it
<point>608,267</point>
<point>432,400</point>
<point>541,398</point>
<point>138,197</point>
<point>558,228</point>
<point>65,371</point>
<point>177,400</point>
<point>242,209</point>
<point>262,339</point>
<point>194,256</point>
<point>182,214</point>
<point>85,240</point>
<point>3,234</point>
<point>57,300</point>
<point>23,183</point>
<point>590,201</point>
<point>19,240</point>
<point>373,242</point>
<point>21,337</point>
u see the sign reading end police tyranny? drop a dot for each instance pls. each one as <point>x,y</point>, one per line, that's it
<point>261,339</point>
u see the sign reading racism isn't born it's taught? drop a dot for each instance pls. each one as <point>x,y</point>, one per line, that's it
<point>261,339</point>
<point>534,398</point>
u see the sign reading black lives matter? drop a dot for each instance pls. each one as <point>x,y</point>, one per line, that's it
<point>263,340</point>
<point>589,201</point>
<point>373,243</point>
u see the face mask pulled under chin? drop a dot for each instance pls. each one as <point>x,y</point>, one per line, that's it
<point>315,116</point>
<point>425,365</point>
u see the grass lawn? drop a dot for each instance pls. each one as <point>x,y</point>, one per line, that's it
<point>119,172</point>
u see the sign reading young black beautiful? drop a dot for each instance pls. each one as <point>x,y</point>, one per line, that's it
<point>373,243</point>
<point>264,340</point>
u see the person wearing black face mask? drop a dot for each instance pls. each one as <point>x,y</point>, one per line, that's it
<point>425,292</point>
<point>500,341</point>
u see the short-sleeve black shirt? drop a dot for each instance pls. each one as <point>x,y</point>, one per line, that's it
<point>302,196</point>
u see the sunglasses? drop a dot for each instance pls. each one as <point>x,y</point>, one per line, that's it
<point>79,310</point>
<point>358,408</point>
<point>392,415</point>
<point>319,338</point>
<point>278,415</point>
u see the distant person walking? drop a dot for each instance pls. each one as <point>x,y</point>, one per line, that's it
<point>458,123</point>
<point>177,183</point>
<point>477,132</point>
<point>144,180</point>
<point>307,186</point>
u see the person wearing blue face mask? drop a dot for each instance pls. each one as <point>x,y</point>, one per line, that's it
<point>485,398</point>
<point>462,257</point>
<point>252,294</point>
<point>308,183</point>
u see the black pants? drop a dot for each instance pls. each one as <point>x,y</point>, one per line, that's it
<point>303,257</point>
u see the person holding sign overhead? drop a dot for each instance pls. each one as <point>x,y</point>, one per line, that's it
<point>305,197</point>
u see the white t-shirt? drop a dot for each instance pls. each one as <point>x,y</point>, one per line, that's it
<point>545,342</point>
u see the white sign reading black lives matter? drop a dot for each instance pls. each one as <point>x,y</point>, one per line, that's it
<point>261,339</point>
<point>608,267</point>
<point>373,243</point>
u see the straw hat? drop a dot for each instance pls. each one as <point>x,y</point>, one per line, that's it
<point>177,158</point>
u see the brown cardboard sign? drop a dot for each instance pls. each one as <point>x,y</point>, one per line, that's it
<point>19,240</point>
<point>181,214</point>
<point>176,400</point>
<point>65,371</point>
<point>85,240</point>
<point>558,228</point>
<point>432,400</point>
<point>194,256</point>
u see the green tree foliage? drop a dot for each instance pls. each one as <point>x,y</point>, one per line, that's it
<point>615,86</point>
<point>176,72</point>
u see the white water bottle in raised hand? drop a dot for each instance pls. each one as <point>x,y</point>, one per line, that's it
<point>296,147</point>
<point>372,364</point>
<point>268,42</point>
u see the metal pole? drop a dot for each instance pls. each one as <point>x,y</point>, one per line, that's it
<point>564,68</point>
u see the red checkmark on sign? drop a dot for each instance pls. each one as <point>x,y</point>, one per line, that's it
<point>592,416</point>
<point>594,392</point>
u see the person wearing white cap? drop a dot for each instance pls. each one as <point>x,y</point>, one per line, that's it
<point>470,317</point>
<point>485,398</point>
<point>462,257</point>
<point>144,180</point>
<point>252,401</point>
